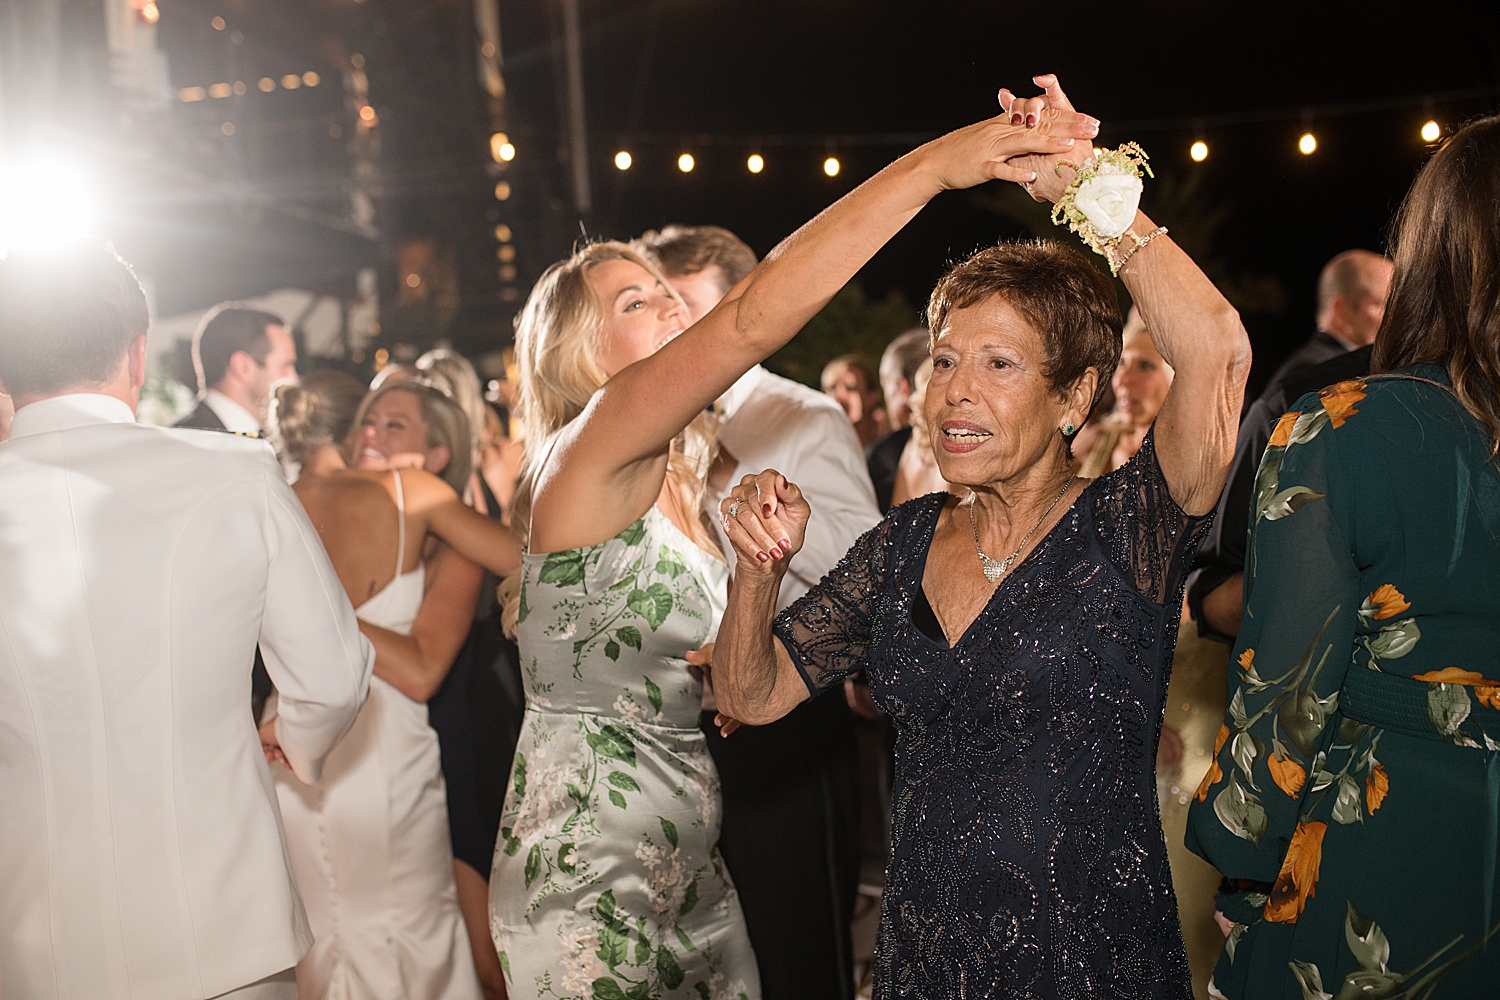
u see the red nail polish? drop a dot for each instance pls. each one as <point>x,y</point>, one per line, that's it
<point>1015,119</point>
<point>1030,120</point>
<point>786,545</point>
<point>761,556</point>
<point>766,509</point>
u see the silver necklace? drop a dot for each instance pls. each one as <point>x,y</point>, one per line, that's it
<point>994,569</point>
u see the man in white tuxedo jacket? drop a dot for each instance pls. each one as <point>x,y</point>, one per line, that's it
<point>141,851</point>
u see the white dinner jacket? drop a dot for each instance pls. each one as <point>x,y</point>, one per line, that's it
<point>141,850</point>
<point>771,422</point>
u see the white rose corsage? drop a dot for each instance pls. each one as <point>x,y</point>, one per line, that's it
<point>1101,202</point>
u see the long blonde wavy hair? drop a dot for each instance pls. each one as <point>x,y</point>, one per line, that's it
<point>558,343</point>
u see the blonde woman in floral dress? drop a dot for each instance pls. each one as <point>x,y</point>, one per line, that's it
<point>607,882</point>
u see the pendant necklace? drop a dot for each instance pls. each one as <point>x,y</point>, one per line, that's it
<point>994,569</point>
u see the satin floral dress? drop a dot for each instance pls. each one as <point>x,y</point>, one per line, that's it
<point>607,882</point>
<point>1354,802</point>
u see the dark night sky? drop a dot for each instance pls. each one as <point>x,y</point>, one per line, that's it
<point>814,68</point>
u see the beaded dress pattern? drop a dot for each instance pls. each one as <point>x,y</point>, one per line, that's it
<point>1028,859</point>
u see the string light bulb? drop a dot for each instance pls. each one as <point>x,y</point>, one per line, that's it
<point>1308,144</point>
<point>756,163</point>
<point>623,160</point>
<point>507,152</point>
<point>831,166</point>
<point>498,141</point>
<point>686,163</point>
<point>1198,151</point>
<point>1432,131</point>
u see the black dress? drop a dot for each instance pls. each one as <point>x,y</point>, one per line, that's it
<point>1028,857</point>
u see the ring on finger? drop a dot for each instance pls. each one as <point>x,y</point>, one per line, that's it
<point>1057,167</point>
<point>734,509</point>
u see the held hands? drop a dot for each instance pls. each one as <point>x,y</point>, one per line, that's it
<point>765,517</point>
<point>1017,145</point>
<point>1052,170</point>
<point>268,744</point>
<point>700,663</point>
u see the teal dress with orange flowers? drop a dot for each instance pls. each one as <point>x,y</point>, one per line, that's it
<point>1354,800</point>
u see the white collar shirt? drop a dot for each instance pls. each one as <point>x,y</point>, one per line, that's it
<point>770,422</point>
<point>235,417</point>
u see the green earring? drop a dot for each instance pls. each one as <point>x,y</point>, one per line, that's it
<point>1068,430</point>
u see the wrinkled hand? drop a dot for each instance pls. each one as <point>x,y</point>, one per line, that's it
<point>1053,171</point>
<point>700,663</point>
<point>268,744</point>
<point>1003,147</point>
<point>768,524</point>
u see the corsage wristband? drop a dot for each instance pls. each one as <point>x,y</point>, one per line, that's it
<point>1100,204</point>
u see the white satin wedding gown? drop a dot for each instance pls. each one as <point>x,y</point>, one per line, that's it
<point>370,848</point>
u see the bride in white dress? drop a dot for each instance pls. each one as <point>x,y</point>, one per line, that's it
<point>369,843</point>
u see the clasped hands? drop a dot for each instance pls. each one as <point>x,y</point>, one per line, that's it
<point>1033,142</point>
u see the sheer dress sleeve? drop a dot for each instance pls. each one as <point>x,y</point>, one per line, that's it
<point>827,632</point>
<point>1146,534</point>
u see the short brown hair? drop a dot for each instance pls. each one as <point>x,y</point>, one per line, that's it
<point>1444,306</point>
<point>683,250</point>
<point>1055,289</point>
<point>224,331</point>
<point>66,317</point>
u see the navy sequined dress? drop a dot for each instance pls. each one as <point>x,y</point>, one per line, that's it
<point>1028,859</point>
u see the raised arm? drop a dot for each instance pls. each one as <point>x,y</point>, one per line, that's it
<point>472,535</point>
<point>755,680</point>
<point>616,448</point>
<point>1196,330</point>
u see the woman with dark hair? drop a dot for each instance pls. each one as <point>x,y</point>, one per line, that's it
<point>1027,690</point>
<point>1355,797</point>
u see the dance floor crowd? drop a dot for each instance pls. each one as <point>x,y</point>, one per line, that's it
<point>1034,661</point>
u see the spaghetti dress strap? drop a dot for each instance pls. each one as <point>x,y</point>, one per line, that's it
<point>400,524</point>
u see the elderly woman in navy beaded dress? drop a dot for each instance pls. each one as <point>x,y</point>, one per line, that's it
<point>1021,637</point>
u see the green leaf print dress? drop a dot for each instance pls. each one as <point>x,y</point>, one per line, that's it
<point>1354,798</point>
<point>607,882</point>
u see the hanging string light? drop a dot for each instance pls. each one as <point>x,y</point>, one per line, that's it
<point>1308,144</point>
<point>1198,151</point>
<point>756,163</point>
<point>686,163</point>
<point>831,166</point>
<point>1432,131</point>
<point>623,160</point>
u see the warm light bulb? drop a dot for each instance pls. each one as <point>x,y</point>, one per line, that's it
<point>266,84</point>
<point>218,23</point>
<point>1198,151</point>
<point>686,163</point>
<point>413,280</point>
<point>498,140</point>
<point>1432,132</point>
<point>1308,144</point>
<point>502,191</point>
<point>311,79</point>
<point>507,152</point>
<point>623,160</point>
<point>831,166</point>
<point>150,13</point>
<point>502,231</point>
<point>367,113</point>
<point>756,163</point>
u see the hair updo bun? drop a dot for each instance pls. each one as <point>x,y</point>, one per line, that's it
<point>316,412</point>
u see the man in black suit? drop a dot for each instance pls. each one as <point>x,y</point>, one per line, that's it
<point>1351,304</point>
<point>238,354</point>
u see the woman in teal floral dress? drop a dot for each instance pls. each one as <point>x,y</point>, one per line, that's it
<point>1354,802</point>
<point>607,883</point>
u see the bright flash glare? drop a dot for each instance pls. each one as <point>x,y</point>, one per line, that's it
<point>45,202</point>
<point>1431,132</point>
<point>1308,144</point>
<point>1198,151</point>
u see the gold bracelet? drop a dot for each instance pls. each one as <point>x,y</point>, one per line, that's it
<point>1139,241</point>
